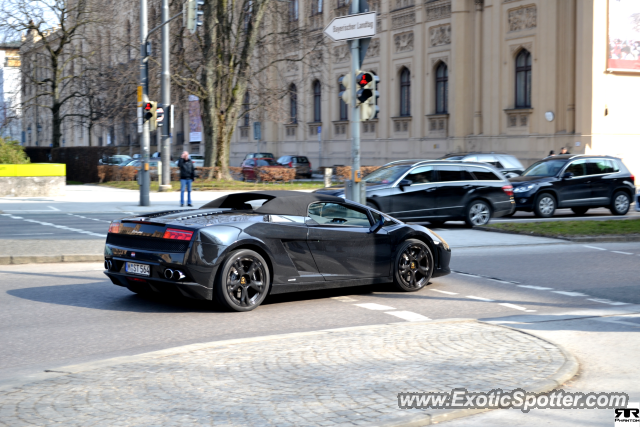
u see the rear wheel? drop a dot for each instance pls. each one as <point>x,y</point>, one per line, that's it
<point>478,213</point>
<point>413,266</point>
<point>243,281</point>
<point>620,203</point>
<point>544,206</point>
<point>579,211</point>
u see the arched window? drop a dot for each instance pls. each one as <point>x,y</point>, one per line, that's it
<point>293,103</point>
<point>442,88</point>
<point>317,91</point>
<point>245,109</point>
<point>523,79</point>
<point>405,92</point>
<point>344,115</point>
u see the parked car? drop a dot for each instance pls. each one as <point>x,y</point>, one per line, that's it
<point>198,160</point>
<point>509,165</point>
<point>300,163</point>
<point>258,156</point>
<point>579,182</point>
<point>249,165</point>
<point>638,201</point>
<point>437,191</point>
<point>153,163</point>
<point>242,247</point>
<point>117,160</point>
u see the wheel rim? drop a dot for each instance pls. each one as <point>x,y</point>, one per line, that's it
<point>546,205</point>
<point>246,281</point>
<point>622,203</point>
<point>479,214</point>
<point>414,266</point>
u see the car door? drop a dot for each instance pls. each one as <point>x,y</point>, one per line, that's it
<point>247,169</point>
<point>416,200</point>
<point>602,183</point>
<point>451,190</point>
<point>342,244</point>
<point>574,190</point>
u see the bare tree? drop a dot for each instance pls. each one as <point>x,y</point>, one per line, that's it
<point>240,48</point>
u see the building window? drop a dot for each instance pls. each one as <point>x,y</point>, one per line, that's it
<point>344,115</point>
<point>317,90</point>
<point>293,103</point>
<point>316,7</point>
<point>245,110</point>
<point>523,79</point>
<point>293,10</point>
<point>405,92</point>
<point>442,88</point>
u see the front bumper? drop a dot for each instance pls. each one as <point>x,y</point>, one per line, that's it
<point>524,201</point>
<point>443,257</point>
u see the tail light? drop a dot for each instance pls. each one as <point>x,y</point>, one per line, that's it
<point>310,167</point>
<point>175,234</point>
<point>114,227</point>
<point>508,189</point>
<point>633,179</point>
<point>290,164</point>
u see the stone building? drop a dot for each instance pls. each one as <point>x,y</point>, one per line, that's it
<point>10,99</point>
<point>517,76</point>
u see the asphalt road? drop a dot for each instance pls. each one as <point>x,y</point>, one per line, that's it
<point>53,315</point>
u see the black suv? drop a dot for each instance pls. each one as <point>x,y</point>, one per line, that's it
<point>437,191</point>
<point>508,164</point>
<point>578,182</point>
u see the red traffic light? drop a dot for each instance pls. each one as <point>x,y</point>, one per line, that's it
<point>148,106</point>
<point>364,79</point>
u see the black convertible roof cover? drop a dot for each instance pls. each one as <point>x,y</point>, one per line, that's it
<point>278,202</point>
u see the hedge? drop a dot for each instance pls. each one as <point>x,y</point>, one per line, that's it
<point>344,172</point>
<point>271,174</point>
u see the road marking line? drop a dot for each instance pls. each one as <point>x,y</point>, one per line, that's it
<point>55,209</point>
<point>480,299</point>
<point>570,294</point>
<point>344,299</point>
<point>28,234</point>
<point>408,315</point>
<point>500,281</point>
<point>517,307</point>
<point>495,279</point>
<point>623,253</point>
<point>606,301</point>
<point>444,292</point>
<point>594,247</point>
<point>62,227</point>
<point>530,311</point>
<point>374,306</point>
<point>537,288</point>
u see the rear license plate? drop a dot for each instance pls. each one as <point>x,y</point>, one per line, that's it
<point>139,269</point>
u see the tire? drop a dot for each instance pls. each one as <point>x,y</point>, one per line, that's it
<point>478,213</point>
<point>580,211</point>
<point>413,266</point>
<point>544,206</point>
<point>241,270</point>
<point>620,203</point>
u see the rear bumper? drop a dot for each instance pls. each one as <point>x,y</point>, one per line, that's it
<point>442,263</point>
<point>138,284</point>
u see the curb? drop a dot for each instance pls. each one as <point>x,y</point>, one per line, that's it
<point>41,259</point>
<point>579,239</point>
<point>567,371</point>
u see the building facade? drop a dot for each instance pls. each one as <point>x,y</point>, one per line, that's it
<point>10,99</point>
<point>522,77</point>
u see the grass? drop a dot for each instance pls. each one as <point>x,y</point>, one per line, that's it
<point>572,228</point>
<point>210,185</point>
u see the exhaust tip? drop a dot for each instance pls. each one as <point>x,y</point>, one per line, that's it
<point>178,275</point>
<point>106,264</point>
<point>168,273</point>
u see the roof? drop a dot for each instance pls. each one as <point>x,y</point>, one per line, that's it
<point>278,202</point>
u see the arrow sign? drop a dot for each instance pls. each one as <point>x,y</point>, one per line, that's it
<point>159,114</point>
<point>352,27</point>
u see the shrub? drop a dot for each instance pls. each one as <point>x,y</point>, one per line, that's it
<point>344,172</point>
<point>12,153</point>
<point>108,173</point>
<point>271,174</point>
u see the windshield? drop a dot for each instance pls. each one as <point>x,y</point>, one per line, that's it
<point>386,175</point>
<point>263,155</point>
<point>451,158</point>
<point>545,168</point>
<point>266,162</point>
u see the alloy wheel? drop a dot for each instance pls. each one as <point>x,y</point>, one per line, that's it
<point>546,205</point>
<point>245,282</point>
<point>414,267</point>
<point>621,203</point>
<point>479,214</point>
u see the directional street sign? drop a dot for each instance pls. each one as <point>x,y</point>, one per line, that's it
<point>352,27</point>
<point>160,116</point>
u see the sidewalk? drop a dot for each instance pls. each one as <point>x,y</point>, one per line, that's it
<point>340,377</point>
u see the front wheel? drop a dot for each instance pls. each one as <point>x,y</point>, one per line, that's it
<point>620,203</point>
<point>243,281</point>
<point>413,266</point>
<point>478,213</point>
<point>545,206</point>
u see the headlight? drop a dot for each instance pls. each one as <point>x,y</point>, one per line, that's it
<point>523,188</point>
<point>444,244</point>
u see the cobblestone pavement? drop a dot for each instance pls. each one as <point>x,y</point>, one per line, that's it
<point>341,377</point>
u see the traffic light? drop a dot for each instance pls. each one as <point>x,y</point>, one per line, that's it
<point>150,114</point>
<point>363,80</point>
<point>369,107</point>
<point>345,81</point>
<point>191,13</point>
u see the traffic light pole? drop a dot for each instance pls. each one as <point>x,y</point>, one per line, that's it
<point>165,151</point>
<point>144,82</point>
<point>355,116</point>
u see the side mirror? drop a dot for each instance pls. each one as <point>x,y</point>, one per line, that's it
<point>404,183</point>
<point>567,175</point>
<point>377,226</point>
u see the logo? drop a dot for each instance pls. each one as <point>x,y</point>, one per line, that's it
<point>136,232</point>
<point>133,254</point>
<point>413,265</point>
<point>630,414</point>
<point>627,412</point>
<point>243,281</point>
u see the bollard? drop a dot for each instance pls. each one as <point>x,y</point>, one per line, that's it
<point>328,172</point>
